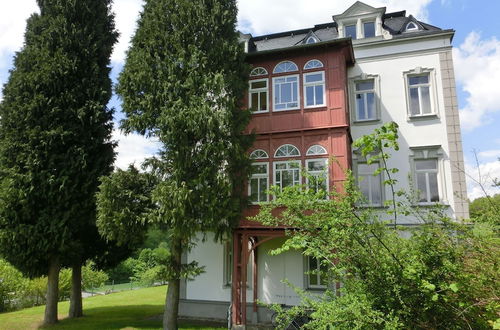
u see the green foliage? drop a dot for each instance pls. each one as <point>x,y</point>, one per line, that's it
<point>486,209</point>
<point>438,275</point>
<point>56,129</point>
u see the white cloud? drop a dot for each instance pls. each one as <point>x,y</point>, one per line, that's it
<point>477,67</point>
<point>133,149</point>
<point>480,178</point>
<point>126,15</point>
<point>263,16</point>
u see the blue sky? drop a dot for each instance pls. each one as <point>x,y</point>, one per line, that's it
<point>476,55</point>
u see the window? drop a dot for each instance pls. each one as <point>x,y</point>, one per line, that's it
<point>311,40</point>
<point>316,150</point>
<point>426,177</point>
<point>228,263</point>
<point>258,183</point>
<point>350,31</point>
<point>258,95</point>
<point>365,100</point>
<point>286,174</point>
<point>313,64</point>
<point>317,170</point>
<point>369,29</point>
<point>258,72</point>
<point>287,150</point>
<point>419,95</point>
<point>286,66</point>
<point>259,154</point>
<point>316,271</point>
<point>411,27</point>
<point>286,93</point>
<point>314,89</point>
<point>369,184</point>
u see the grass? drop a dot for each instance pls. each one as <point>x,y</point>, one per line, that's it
<point>135,309</point>
<point>116,287</point>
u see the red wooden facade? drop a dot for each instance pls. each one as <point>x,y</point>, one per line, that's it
<point>327,126</point>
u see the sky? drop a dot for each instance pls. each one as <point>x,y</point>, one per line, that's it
<point>476,56</point>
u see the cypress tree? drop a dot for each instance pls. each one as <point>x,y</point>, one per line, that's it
<point>182,83</point>
<point>55,138</point>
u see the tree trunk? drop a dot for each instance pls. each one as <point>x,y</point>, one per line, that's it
<point>172,301</point>
<point>75,304</point>
<point>52,297</point>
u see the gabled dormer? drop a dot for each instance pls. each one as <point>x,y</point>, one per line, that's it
<point>411,25</point>
<point>360,21</point>
<point>310,38</point>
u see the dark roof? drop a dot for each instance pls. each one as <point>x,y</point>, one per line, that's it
<point>394,22</point>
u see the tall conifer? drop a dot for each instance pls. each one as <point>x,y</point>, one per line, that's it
<point>182,83</point>
<point>55,137</point>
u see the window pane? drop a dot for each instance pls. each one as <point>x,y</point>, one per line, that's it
<point>365,85</point>
<point>287,179</point>
<point>369,28</point>
<point>433,187</point>
<point>314,77</point>
<point>281,166</point>
<point>294,165</point>
<point>316,165</point>
<point>296,176</point>
<point>426,100</point>
<point>426,164</point>
<point>360,106</point>
<point>319,94</point>
<point>414,105</point>
<point>262,189</point>
<point>259,84</point>
<point>263,100</point>
<point>416,80</point>
<point>286,92</point>
<point>370,100</point>
<point>255,101</point>
<point>422,187</point>
<point>260,169</point>
<point>350,31</point>
<point>376,191</point>
<point>309,95</point>
<point>254,190</point>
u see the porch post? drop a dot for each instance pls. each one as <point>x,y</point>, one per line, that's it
<point>236,284</point>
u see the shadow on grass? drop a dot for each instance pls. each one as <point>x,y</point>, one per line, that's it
<point>122,317</point>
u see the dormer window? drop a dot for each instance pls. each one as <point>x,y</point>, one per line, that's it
<point>350,31</point>
<point>411,27</point>
<point>369,29</point>
<point>311,40</point>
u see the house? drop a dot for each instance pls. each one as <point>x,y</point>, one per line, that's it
<point>312,92</point>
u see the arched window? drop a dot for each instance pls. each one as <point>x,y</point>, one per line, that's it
<point>258,72</point>
<point>411,27</point>
<point>311,40</point>
<point>259,154</point>
<point>316,150</point>
<point>313,64</point>
<point>286,66</point>
<point>287,150</point>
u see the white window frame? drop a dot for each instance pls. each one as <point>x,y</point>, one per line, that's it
<point>316,149</point>
<point>318,286</point>
<point>258,71</point>
<point>353,92</point>
<point>259,91</point>
<point>427,172</point>
<point>314,84</point>
<point>426,153</point>
<point>259,154</point>
<point>370,177</point>
<point>292,68</point>
<point>419,71</point>
<point>296,91</point>
<point>287,155</point>
<point>414,28</point>
<point>259,176</point>
<point>319,173</point>
<point>314,40</point>
<point>313,64</point>
<point>275,172</point>
<point>227,263</point>
<point>355,24</point>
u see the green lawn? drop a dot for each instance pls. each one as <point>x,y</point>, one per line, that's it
<point>135,309</point>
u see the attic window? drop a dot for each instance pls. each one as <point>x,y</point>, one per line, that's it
<point>286,66</point>
<point>411,27</point>
<point>311,40</point>
<point>258,72</point>
<point>350,31</point>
